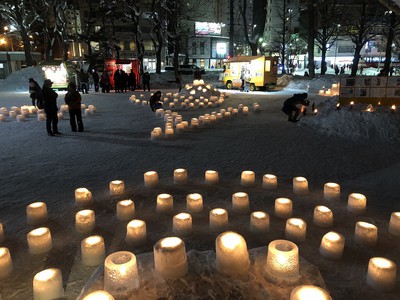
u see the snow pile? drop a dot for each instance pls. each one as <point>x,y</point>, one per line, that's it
<point>18,81</point>
<point>313,85</point>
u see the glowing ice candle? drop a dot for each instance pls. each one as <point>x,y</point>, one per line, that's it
<point>394,224</point>
<point>121,274</point>
<point>308,292</point>
<point>20,118</point>
<point>85,221</point>
<point>300,186</point>
<point>169,132</point>
<point>357,203</point>
<point>12,114</point>
<point>151,179</point>
<point>259,222</point>
<point>83,197</point>
<point>117,187</point>
<point>194,203</point>
<point>2,117</point>
<point>240,106</point>
<point>240,202</point>
<point>256,106</point>
<point>159,112</point>
<point>282,262</point>
<point>6,265</point>
<point>232,256</point>
<point>136,233</point>
<point>270,182</point>
<point>366,234</point>
<point>170,260</point>
<point>332,245</point>
<point>245,110</point>
<point>194,123</point>
<point>93,250</point>
<point>211,177</point>
<point>165,203</point>
<point>248,178</point>
<point>180,176</point>
<point>296,230</point>
<point>219,116</point>
<point>47,285</point>
<point>182,224</point>
<point>99,295</point>
<point>283,208</point>
<point>218,219</point>
<point>2,236</point>
<point>331,191</point>
<point>125,210</point>
<point>381,274</point>
<point>179,127</point>
<point>39,240</point>
<point>36,213</point>
<point>235,111</point>
<point>155,134</point>
<point>323,216</point>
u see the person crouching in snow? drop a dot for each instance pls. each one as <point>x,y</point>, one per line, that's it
<point>290,106</point>
<point>155,101</point>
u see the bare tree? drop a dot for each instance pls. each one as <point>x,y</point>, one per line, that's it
<point>391,29</point>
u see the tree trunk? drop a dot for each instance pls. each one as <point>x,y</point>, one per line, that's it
<point>158,59</point>
<point>323,59</point>
<point>356,59</point>
<point>231,27</point>
<point>311,35</point>
<point>27,48</point>
<point>389,42</point>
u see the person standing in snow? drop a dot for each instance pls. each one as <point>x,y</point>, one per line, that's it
<point>73,100</point>
<point>146,81</point>
<point>50,107</point>
<point>290,106</point>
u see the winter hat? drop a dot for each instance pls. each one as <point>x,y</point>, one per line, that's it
<point>31,80</point>
<point>47,82</point>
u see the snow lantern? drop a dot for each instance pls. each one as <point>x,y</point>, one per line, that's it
<point>366,234</point>
<point>117,187</point>
<point>150,179</point>
<point>92,109</point>
<point>194,203</point>
<point>331,191</point>
<point>357,203</point>
<point>393,108</point>
<point>240,202</point>
<point>307,292</point>
<point>283,208</point>
<point>369,108</point>
<point>85,221</point>
<point>64,108</point>
<point>2,118</point>
<point>6,265</point>
<point>282,264</point>
<point>182,224</point>
<point>394,224</point>
<point>60,115</point>
<point>155,134</point>
<point>235,112</point>
<point>121,274</point>
<point>232,256</point>
<point>39,240</point>
<point>125,210</point>
<point>259,222</point>
<point>300,186</point>
<point>220,116</point>
<point>180,176</point>
<point>136,233</point>
<point>83,106</point>
<point>12,114</point>
<point>83,197</point>
<point>169,132</point>
<point>165,203</point>
<point>179,127</point>
<point>2,237</point>
<point>41,117</point>
<point>218,219</point>
<point>36,213</point>
<point>296,230</point>
<point>170,260</point>
<point>323,216</point>
<point>211,177</point>
<point>159,112</point>
<point>93,250</point>
<point>87,112</point>
<point>48,284</point>
<point>270,182</point>
<point>256,106</point>
<point>248,178</point>
<point>20,118</point>
<point>99,295</point>
<point>332,245</point>
<point>381,274</point>
<point>245,110</point>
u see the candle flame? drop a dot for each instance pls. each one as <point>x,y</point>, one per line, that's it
<point>230,240</point>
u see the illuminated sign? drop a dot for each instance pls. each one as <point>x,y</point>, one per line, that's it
<point>206,28</point>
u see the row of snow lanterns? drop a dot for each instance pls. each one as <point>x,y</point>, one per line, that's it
<point>25,111</point>
<point>369,108</point>
<point>333,91</point>
<point>173,118</point>
<point>381,272</point>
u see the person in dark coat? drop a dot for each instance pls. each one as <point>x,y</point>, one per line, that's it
<point>118,79</point>
<point>50,107</point>
<point>96,80</point>
<point>290,106</point>
<point>146,81</point>
<point>105,82</point>
<point>197,74</point>
<point>155,101</point>
<point>84,81</point>
<point>73,100</point>
<point>35,93</point>
<point>132,80</point>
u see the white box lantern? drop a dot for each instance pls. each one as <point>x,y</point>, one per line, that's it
<point>270,182</point>
<point>165,203</point>
<point>259,222</point>
<point>85,221</point>
<point>394,224</point>
<point>136,233</point>
<point>300,186</point>
<point>47,285</point>
<point>2,118</point>
<point>218,219</point>
<point>2,236</point>
<point>323,216</point>
<point>93,250</point>
<point>121,274</point>
<point>309,292</point>
<point>366,234</point>
<point>331,191</point>
<point>36,213</point>
<point>283,208</point>
<point>99,295</point>
<point>6,265</point>
<point>211,177</point>
<point>180,176</point>
<point>39,240</point>
<point>282,263</point>
<point>182,224</point>
<point>248,178</point>
<point>296,230</point>
<point>83,197</point>
<point>170,260</point>
<point>117,187</point>
<point>332,245</point>
<point>357,203</point>
<point>125,210</point>
<point>150,179</point>
<point>240,202</point>
<point>381,274</point>
<point>155,134</point>
<point>194,203</point>
<point>12,114</point>
<point>41,117</point>
<point>232,256</point>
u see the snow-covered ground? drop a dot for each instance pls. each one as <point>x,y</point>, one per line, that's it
<point>358,150</point>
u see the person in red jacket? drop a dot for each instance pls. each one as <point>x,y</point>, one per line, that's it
<point>73,100</point>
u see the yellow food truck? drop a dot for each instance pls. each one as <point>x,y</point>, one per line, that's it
<point>260,71</point>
